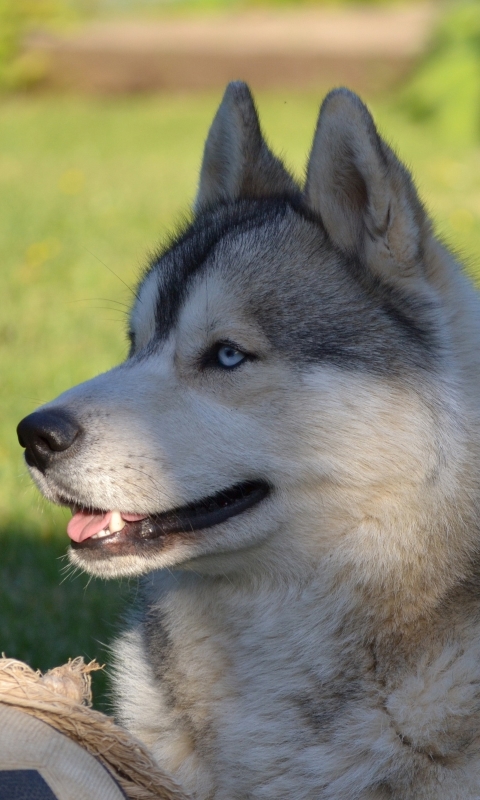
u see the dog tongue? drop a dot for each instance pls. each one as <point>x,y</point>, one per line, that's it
<point>84,525</point>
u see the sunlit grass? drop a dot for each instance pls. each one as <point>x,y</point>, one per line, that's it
<point>88,188</point>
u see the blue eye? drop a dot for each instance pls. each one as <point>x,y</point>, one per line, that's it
<point>228,357</point>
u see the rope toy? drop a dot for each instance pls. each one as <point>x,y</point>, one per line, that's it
<point>62,698</point>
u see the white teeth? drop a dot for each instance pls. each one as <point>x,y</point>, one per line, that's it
<point>101,534</point>
<point>116,522</point>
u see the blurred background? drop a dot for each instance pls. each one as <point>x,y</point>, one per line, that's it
<point>104,108</point>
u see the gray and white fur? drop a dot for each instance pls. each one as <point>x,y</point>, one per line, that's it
<point>324,643</point>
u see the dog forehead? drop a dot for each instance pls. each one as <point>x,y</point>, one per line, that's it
<point>289,280</point>
<point>257,274</point>
<point>226,242</point>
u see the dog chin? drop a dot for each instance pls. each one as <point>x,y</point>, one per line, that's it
<point>133,565</point>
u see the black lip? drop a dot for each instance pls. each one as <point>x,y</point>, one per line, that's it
<point>184,520</point>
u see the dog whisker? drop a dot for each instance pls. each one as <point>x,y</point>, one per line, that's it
<point>130,288</point>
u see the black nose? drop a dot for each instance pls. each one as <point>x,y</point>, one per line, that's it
<point>45,433</point>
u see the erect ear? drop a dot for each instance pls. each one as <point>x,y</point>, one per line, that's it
<point>365,197</point>
<point>236,161</point>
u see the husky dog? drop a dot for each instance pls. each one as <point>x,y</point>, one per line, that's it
<point>290,456</point>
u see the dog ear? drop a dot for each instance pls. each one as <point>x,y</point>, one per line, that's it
<point>237,161</point>
<point>364,195</point>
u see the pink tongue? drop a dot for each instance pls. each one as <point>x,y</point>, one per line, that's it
<point>84,525</point>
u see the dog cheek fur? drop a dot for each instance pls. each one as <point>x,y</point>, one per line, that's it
<point>389,518</point>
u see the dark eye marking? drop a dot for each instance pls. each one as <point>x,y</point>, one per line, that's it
<point>131,339</point>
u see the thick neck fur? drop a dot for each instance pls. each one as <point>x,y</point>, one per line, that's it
<point>241,657</point>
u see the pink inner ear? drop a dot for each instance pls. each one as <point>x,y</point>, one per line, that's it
<point>84,525</point>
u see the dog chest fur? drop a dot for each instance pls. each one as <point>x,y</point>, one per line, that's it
<point>274,693</point>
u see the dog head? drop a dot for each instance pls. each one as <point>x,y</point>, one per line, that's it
<point>288,391</point>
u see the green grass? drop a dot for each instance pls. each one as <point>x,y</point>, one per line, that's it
<point>87,189</point>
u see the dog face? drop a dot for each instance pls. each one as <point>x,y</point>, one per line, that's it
<point>283,386</point>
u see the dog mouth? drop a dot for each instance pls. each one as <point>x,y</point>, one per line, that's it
<point>91,530</point>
